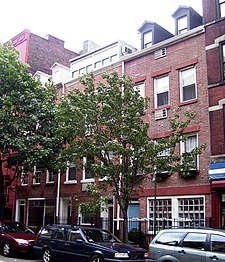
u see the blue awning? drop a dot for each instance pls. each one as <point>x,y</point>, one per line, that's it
<point>217,177</point>
<point>217,171</point>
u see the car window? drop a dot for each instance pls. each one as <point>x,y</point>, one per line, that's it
<point>60,233</point>
<point>74,235</point>
<point>16,228</point>
<point>170,238</point>
<point>47,232</point>
<point>217,243</point>
<point>195,240</point>
<point>99,236</point>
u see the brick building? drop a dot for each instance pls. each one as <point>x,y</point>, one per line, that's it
<point>40,54</point>
<point>214,20</point>
<point>173,74</point>
<point>185,71</point>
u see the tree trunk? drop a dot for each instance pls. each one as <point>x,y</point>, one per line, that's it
<point>125,226</point>
<point>2,195</point>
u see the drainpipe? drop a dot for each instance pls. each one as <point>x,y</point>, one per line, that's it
<point>57,197</point>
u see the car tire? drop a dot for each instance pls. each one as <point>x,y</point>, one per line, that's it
<point>97,259</point>
<point>47,255</point>
<point>6,249</point>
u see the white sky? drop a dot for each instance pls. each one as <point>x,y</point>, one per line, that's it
<point>102,21</point>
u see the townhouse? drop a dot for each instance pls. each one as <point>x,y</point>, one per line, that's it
<point>183,70</point>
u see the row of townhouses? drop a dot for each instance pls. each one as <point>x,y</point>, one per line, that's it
<point>185,70</point>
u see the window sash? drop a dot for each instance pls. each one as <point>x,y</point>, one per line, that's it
<point>161,91</point>
<point>223,61</point>
<point>188,84</point>
<point>71,172</point>
<point>140,87</point>
<point>222,8</point>
<point>147,39</point>
<point>182,24</point>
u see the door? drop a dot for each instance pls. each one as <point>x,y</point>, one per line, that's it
<point>217,249</point>
<point>133,216</point>
<point>192,248</point>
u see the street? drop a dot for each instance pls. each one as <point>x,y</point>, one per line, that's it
<point>19,258</point>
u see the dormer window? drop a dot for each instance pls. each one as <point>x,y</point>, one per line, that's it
<point>148,39</point>
<point>222,8</point>
<point>182,24</point>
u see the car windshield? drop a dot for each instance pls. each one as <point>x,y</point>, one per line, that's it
<point>16,228</point>
<point>93,235</point>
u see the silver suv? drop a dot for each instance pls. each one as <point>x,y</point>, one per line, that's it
<point>188,245</point>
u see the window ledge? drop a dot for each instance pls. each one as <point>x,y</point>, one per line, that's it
<point>160,108</point>
<point>89,180</point>
<point>188,102</point>
<point>49,183</point>
<point>71,182</point>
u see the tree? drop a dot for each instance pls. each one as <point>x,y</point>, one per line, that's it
<point>106,120</point>
<point>27,122</point>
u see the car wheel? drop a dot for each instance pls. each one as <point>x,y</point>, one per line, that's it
<point>6,249</point>
<point>47,255</point>
<point>97,259</point>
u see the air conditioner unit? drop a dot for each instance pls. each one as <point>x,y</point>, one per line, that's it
<point>160,53</point>
<point>160,114</point>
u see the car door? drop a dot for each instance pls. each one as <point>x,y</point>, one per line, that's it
<point>216,248</point>
<point>58,244</point>
<point>192,248</point>
<point>75,246</point>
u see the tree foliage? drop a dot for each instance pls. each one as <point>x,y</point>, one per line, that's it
<point>106,120</point>
<point>27,121</point>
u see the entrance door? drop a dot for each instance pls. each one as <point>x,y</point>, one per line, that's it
<point>133,216</point>
<point>222,211</point>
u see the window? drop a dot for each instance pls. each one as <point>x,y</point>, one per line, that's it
<point>223,60</point>
<point>24,178</point>
<point>88,68</point>
<point>98,64</point>
<point>147,39</point>
<point>222,8</point>
<point>191,211</point>
<point>87,167</point>
<point>105,61</point>
<point>71,172</point>
<point>75,74</point>
<point>113,58</point>
<point>60,233</point>
<point>49,177</point>
<point>74,235</point>
<point>217,243</point>
<point>37,176</point>
<point>140,87</point>
<point>176,211</point>
<point>170,238</point>
<point>195,240</point>
<point>182,24</point>
<point>6,195</point>
<point>188,146</point>
<point>161,91</point>
<point>82,71</point>
<point>188,84</point>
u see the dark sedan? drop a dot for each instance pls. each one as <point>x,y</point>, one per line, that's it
<point>15,237</point>
<point>86,244</point>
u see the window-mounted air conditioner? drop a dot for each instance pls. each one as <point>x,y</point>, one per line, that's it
<point>160,114</point>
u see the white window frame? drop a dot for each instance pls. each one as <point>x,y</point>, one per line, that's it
<point>182,24</point>
<point>48,176</point>
<point>222,7</point>
<point>86,180</point>
<point>183,147</point>
<point>140,87</point>
<point>70,181</point>
<point>37,176</point>
<point>182,84</point>
<point>161,85</point>
<point>147,38</point>
<point>24,178</point>
<point>175,219</point>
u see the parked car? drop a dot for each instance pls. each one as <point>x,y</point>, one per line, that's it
<point>15,237</point>
<point>187,245</point>
<point>86,244</point>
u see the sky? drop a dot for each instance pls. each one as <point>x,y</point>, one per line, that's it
<point>101,21</point>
